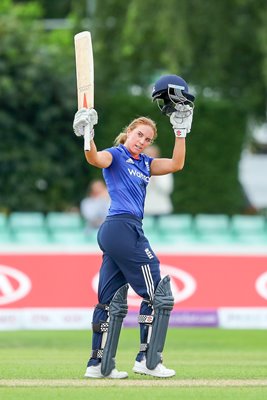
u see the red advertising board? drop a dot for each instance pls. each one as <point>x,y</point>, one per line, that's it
<point>70,280</point>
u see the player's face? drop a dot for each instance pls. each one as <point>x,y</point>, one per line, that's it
<point>138,139</point>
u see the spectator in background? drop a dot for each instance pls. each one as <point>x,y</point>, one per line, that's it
<point>158,198</point>
<point>94,207</point>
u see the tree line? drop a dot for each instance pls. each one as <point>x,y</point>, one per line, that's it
<point>219,49</point>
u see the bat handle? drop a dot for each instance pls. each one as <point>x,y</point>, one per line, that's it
<point>87,138</point>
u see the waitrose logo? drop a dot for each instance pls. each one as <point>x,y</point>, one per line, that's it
<point>138,174</point>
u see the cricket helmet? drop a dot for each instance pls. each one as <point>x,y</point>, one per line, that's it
<point>170,90</point>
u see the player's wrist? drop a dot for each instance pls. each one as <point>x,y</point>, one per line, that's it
<point>180,132</point>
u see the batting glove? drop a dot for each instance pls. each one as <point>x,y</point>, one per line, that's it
<point>85,118</point>
<point>181,120</point>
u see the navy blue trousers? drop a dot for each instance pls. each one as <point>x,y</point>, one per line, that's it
<point>127,258</point>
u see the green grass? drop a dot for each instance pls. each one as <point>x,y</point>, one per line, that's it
<point>195,354</point>
<point>134,393</point>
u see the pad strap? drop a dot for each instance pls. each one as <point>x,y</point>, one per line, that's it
<point>98,353</point>
<point>100,327</point>
<point>104,307</point>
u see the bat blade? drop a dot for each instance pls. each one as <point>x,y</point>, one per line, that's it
<point>84,69</point>
<point>85,75</point>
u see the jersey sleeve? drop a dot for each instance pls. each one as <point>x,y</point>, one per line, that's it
<point>114,152</point>
<point>148,160</point>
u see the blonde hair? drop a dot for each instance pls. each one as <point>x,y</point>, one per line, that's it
<point>121,138</point>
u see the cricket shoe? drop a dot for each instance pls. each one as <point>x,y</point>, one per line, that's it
<point>160,371</point>
<point>94,371</point>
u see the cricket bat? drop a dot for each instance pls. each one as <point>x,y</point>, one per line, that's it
<point>85,75</point>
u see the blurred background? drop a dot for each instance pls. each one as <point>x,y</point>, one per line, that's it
<point>221,50</point>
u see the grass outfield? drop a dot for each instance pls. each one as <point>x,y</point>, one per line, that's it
<point>209,364</point>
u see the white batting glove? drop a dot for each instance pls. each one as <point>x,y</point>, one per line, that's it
<point>84,120</point>
<point>181,120</point>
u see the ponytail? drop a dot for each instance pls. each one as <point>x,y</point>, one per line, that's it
<point>120,139</point>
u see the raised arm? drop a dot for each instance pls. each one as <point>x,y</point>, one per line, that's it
<point>163,166</point>
<point>181,121</point>
<point>99,159</point>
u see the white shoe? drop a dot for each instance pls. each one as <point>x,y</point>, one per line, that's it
<point>160,371</point>
<point>94,371</point>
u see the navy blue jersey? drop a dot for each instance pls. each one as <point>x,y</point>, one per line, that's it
<point>126,179</point>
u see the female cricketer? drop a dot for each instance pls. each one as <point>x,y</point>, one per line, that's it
<point>127,255</point>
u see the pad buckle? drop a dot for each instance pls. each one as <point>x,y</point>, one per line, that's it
<point>145,319</point>
<point>143,346</point>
